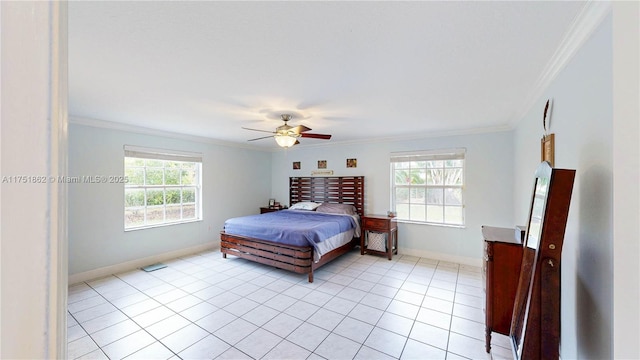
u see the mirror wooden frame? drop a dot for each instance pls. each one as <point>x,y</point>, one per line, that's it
<point>535,324</point>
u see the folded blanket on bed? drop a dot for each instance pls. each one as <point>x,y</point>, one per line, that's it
<point>292,227</point>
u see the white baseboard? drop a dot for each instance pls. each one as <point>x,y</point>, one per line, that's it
<point>442,256</point>
<point>138,263</point>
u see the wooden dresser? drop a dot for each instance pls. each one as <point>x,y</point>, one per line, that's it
<point>501,272</point>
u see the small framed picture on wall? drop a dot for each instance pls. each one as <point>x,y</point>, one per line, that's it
<point>322,164</point>
<point>351,163</point>
<point>547,148</point>
<point>296,165</point>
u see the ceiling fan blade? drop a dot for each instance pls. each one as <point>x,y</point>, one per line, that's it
<point>271,132</point>
<point>316,136</point>
<point>299,129</point>
<point>260,138</point>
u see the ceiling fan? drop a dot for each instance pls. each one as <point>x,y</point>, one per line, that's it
<point>287,135</point>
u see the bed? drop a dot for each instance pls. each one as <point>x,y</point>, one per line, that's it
<point>265,246</point>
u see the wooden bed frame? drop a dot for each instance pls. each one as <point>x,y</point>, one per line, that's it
<point>341,190</point>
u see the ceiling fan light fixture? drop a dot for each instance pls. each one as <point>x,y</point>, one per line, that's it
<point>287,136</point>
<point>285,141</point>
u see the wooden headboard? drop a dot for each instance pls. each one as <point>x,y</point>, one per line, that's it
<point>334,189</point>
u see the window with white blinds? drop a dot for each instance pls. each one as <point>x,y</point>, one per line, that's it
<point>163,187</point>
<point>428,186</point>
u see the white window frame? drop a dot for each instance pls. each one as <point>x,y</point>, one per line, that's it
<point>413,157</point>
<point>163,155</point>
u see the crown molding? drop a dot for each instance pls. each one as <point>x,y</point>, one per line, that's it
<point>112,125</point>
<point>580,30</point>
<point>154,132</point>
<point>201,139</point>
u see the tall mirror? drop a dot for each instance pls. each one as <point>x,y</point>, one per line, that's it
<point>534,228</point>
<point>538,294</point>
<point>537,211</point>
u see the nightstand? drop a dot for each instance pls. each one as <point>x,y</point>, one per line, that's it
<point>373,228</point>
<point>264,210</point>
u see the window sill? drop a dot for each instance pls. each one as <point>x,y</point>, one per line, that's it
<point>431,224</point>
<point>161,225</point>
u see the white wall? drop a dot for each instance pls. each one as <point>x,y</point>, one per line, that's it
<point>488,191</point>
<point>626,179</point>
<point>582,123</point>
<point>236,181</point>
<point>32,247</point>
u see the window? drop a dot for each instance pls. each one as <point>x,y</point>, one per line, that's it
<point>428,186</point>
<point>163,187</point>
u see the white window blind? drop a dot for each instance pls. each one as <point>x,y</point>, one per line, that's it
<point>161,154</point>
<point>428,155</point>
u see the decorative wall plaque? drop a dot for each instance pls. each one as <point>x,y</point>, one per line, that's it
<point>547,141</point>
<point>547,148</point>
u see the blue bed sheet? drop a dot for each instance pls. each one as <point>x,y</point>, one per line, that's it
<point>291,227</point>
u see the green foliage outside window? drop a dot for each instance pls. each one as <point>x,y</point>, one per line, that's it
<point>159,191</point>
<point>429,191</point>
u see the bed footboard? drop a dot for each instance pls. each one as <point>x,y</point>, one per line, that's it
<point>298,259</point>
<point>293,258</point>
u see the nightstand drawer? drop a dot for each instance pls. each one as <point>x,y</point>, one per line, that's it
<point>376,224</point>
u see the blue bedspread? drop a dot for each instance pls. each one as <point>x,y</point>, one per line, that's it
<point>292,227</point>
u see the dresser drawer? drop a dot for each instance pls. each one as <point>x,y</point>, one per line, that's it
<point>376,224</point>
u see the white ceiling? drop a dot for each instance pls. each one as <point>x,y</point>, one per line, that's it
<point>356,70</point>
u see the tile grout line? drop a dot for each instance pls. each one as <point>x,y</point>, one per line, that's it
<point>130,318</point>
<point>86,332</point>
<point>337,269</point>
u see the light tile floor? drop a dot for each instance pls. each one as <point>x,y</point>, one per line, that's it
<point>359,307</point>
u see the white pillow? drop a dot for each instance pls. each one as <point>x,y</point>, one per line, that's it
<point>304,205</point>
